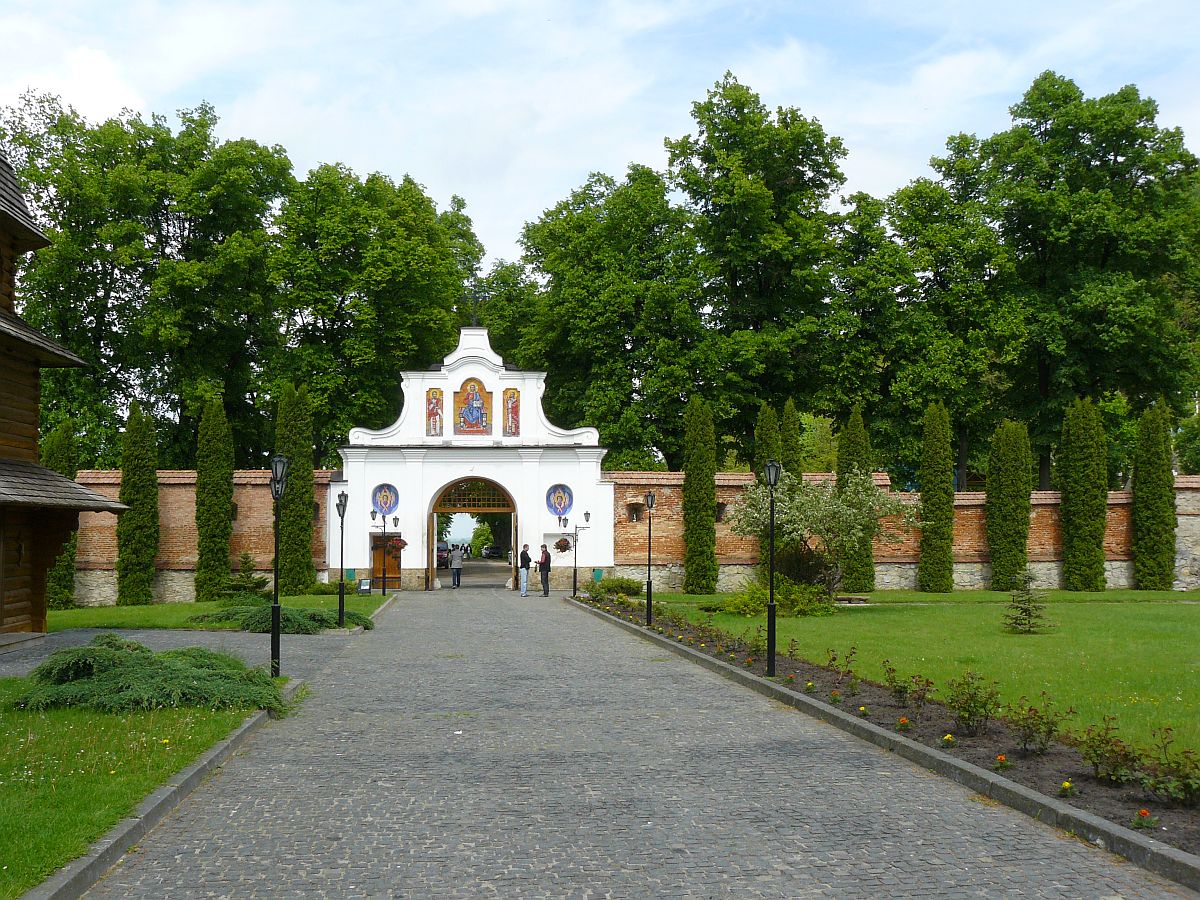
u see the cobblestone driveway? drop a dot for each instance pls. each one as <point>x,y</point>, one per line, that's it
<point>481,745</point>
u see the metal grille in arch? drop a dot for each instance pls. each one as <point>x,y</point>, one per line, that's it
<point>473,495</point>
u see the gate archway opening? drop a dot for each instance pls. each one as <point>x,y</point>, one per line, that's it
<point>472,495</point>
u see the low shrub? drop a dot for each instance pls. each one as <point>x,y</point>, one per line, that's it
<point>245,598</point>
<point>292,619</point>
<point>630,587</point>
<point>115,675</point>
<point>974,701</point>
<point>1173,775</point>
<point>1037,726</point>
<point>1111,759</point>
<point>791,600</point>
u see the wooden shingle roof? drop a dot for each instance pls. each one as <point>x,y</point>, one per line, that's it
<point>47,353</point>
<point>28,484</point>
<point>14,214</point>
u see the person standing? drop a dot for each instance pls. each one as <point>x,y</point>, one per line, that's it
<point>456,561</point>
<point>544,570</point>
<point>524,570</point>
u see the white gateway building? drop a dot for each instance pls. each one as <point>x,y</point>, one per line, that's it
<point>471,438</point>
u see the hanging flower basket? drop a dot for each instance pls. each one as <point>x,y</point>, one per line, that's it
<point>562,545</point>
<point>395,545</point>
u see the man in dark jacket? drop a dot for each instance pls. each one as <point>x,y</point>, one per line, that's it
<point>524,570</point>
<point>544,570</point>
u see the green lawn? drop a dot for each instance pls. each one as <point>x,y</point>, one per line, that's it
<point>175,615</point>
<point>68,775</point>
<point>1134,655</point>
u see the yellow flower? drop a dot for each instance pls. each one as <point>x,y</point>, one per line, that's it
<point>1067,785</point>
<point>166,740</point>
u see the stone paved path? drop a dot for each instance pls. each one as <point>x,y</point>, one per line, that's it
<point>480,745</point>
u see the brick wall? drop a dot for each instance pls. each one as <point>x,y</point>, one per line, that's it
<point>736,554</point>
<point>252,529</point>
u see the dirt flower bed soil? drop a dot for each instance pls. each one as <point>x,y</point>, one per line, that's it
<point>1060,772</point>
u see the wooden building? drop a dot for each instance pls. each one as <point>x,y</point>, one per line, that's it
<point>38,508</point>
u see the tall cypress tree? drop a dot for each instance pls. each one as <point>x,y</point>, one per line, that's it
<point>60,453</point>
<point>854,455</point>
<point>1083,480</point>
<point>214,501</point>
<point>935,569</point>
<point>1009,483</point>
<point>699,499</point>
<point>137,527</point>
<point>791,448</point>
<point>294,439</point>
<point>1153,503</point>
<point>766,438</point>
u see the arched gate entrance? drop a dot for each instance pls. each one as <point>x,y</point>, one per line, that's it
<point>473,496</point>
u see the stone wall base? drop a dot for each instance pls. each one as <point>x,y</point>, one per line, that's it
<point>1118,574</point>
<point>98,587</point>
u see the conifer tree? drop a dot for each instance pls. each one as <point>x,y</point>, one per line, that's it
<point>935,568</point>
<point>1154,515</point>
<point>214,501</point>
<point>294,439</point>
<point>766,438</point>
<point>1009,483</point>
<point>60,453</point>
<point>137,527</point>
<point>699,499</point>
<point>791,440</point>
<point>1083,481</point>
<point>854,455</point>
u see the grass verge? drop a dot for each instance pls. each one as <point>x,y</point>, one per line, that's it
<point>1133,658</point>
<point>175,615</point>
<point>68,775</point>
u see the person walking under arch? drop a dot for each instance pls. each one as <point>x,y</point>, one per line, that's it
<point>524,570</point>
<point>456,561</point>
<point>544,570</point>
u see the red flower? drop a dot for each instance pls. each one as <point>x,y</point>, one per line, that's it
<point>1144,813</point>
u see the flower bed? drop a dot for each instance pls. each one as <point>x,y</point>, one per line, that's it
<point>996,745</point>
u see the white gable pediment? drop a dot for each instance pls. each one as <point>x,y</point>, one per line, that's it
<point>473,400</point>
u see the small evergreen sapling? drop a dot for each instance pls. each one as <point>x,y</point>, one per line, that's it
<point>1026,610</point>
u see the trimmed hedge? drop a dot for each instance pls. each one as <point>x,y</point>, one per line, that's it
<point>1083,481</point>
<point>854,455</point>
<point>766,439</point>
<point>699,499</point>
<point>935,568</point>
<point>294,439</point>
<point>137,527</point>
<point>1009,484</point>
<point>214,501</point>
<point>1153,503</point>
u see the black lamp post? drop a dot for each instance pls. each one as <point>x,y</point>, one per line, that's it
<point>279,471</point>
<point>342,500</point>
<point>649,547</point>
<point>562,523</point>
<point>772,472</point>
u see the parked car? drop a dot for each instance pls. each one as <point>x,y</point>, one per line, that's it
<point>443,555</point>
<point>493,551</point>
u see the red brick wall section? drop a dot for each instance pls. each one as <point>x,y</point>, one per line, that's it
<point>970,535</point>
<point>252,529</point>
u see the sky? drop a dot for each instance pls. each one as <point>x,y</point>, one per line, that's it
<point>510,104</point>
